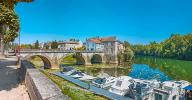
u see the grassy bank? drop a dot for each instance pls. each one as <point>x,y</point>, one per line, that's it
<point>70,89</point>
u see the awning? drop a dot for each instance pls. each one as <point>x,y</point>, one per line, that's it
<point>188,87</point>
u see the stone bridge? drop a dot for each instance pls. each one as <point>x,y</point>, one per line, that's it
<point>52,59</point>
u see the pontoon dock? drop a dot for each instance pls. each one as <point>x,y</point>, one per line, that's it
<point>93,88</point>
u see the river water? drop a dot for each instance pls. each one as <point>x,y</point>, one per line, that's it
<point>150,68</point>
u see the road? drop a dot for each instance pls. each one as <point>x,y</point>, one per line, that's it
<point>10,89</point>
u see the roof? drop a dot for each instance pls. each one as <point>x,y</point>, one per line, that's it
<point>109,39</point>
<point>95,40</point>
<point>100,40</point>
<point>188,87</point>
<point>69,42</point>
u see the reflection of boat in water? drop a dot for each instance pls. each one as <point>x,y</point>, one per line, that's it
<point>68,70</point>
<point>104,80</point>
<point>77,74</point>
<point>122,86</point>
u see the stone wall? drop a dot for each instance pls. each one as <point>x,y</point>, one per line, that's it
<point>38,85</point>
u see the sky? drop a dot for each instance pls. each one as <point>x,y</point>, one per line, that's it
<point>136,21</point>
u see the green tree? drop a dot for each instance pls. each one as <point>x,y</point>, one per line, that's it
<point>9,21</point>
<point>176,47</point>
<point>46,46</point>
<point>126,44</point>
<point>128,54</point>
<point>120,58</point>
<point>54,45</point>
<point>37,44</point>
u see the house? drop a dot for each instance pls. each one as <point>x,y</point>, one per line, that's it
<point>94,44</point>
<point>69,45</point>
<point>111,46</point>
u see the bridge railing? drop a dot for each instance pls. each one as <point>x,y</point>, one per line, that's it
<point>57,51</point>
<point>38,85</point>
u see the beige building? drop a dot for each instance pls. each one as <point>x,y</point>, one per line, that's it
<point>69,45</point>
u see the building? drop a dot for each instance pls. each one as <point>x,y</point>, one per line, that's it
<point>111,46</point>
<point>94,44</point>
<point>69,45</point>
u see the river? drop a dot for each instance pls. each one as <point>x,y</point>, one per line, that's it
<point>150,68</point>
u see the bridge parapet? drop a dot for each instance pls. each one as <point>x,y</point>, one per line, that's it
<point>38,85</point>
<point>58,51</point>
<point>52,58</point>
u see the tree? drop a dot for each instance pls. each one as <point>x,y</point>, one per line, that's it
<point>54,45</point>
<point>128,55</point>
<point>176,47</point>
<point>9,27</point>
<point>83,48</point>
<point>46,46</point>
<point>10,4</point>
<point>120,58</point>
<point>37,44</point>
<point>9,21</point>
<point>126,44</point>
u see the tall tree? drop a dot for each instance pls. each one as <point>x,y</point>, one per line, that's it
<point>54,45</point>
<point>9,21</point>
<point>37,44</point>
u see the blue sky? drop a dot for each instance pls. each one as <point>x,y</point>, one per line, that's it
<point>137,21</point>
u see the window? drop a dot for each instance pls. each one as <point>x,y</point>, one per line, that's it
<point>174,97</point>
<point>112,50</point>
<point>158,97</point>
<point>118,83</point>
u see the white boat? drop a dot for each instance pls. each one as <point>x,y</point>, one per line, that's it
<point>122,86</point>
<point>104,82</point>
<point>87,77</point>
<point>144,89</point>
<point>169,90</point>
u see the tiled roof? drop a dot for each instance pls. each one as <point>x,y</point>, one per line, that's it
<point>95,40</point>
<point>108,39</point>
<point>100,40</point>
<point>69,42</point>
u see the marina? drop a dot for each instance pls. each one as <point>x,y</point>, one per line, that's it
<point>126,87</point>
<point>92,88</point>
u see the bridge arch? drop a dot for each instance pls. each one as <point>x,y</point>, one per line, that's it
<point>46,60</point>
<point>73,59</point>
<point>80,59</point>
<point>96,59</point>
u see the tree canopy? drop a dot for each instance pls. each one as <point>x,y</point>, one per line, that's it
<point>54,45</point>
<point>10,20</point>
<point>176,47</point>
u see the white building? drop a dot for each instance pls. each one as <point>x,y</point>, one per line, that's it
<point>69,45</point>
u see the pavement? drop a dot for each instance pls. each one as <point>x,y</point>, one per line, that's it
<point>10,89</point>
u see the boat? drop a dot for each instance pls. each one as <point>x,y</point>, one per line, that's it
<point>104,82</point>
<point>87,77</point>
<point>122,86</point>
<point>168,90</point>
<point>81,76</point>
<point>143,89</point>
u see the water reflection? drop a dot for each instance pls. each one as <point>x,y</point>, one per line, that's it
<point>175,69</point>
<point>149,68</point>
<point>143,71</point>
